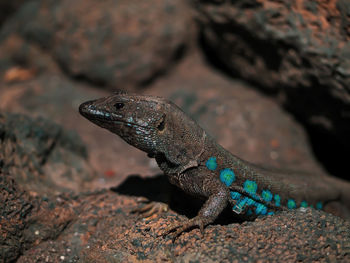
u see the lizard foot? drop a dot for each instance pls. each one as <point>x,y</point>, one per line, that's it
<point>181,227</point>
<point>151,208</point>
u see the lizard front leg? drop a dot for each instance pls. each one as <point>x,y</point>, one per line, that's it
<point>218,196</point>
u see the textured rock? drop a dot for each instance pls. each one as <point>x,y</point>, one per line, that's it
<point>106,231</point>
<point>41,156</point>
<point>117,43</point>
<point>26,219</point>
<point>297,50</point>
<point>100,227</point>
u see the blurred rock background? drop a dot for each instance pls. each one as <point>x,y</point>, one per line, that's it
<point>269,79</point>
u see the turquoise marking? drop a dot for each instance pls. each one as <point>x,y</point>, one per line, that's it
<point>250,187</point>
<point>303,204</point>
<point>211,163</point>
<point>270,213</point>
<point>291,204</point>
<point>260,209</point>
<point>250,201</point>
<point>319,205</point>
<point>227,176</point>
<point>277,199</point>
<point>240,206</point>
<point>235,195</point>
<point>266,195</point>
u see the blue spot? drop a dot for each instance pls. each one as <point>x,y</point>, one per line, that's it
<point>270,213</point>
<point>249,212</point>
<point>227,176</point>
<point>235,195</point>
<point>260,209</point>
<point>277,199</point>
<point>250,201</point>
<point>319,205</point>
<point>250,187</point>
<point>291,204</point>
<point>211,163</point>
<point>266,195</point>
<point>303,204</point>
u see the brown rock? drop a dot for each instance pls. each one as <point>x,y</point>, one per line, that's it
<point>117,43</point>
<point>106,231</point>
<point>298,51</point>
<point>26,220</point>
<point>41,156</point>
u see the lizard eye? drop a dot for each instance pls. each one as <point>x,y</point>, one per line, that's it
<point>118,105</point>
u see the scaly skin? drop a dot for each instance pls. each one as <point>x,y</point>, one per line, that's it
<point>193,161</point>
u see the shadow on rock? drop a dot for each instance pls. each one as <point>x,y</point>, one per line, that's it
<point>158,189</point>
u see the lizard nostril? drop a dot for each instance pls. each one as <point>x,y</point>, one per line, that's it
<point>92,107</point>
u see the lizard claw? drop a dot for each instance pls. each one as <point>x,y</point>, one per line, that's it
<point>151,208</point>
<point>181,227</point>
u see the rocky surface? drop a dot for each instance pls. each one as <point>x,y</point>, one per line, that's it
<point>114,43</point>
<point>99,227</point>
<point>27,219</point>
<point>106,231</point>
<point>42,156</point>
<point>298,51</point>
<point>66,199</point>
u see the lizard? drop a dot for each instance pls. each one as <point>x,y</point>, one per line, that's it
<point>196,163</point>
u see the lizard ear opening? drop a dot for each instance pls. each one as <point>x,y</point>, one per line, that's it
<point>161,125</point>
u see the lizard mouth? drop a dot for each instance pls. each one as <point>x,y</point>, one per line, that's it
<point>104,118</point>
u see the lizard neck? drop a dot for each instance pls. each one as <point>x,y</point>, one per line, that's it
<point>191,158</point>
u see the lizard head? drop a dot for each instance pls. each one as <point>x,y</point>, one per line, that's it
<point>151,124</point>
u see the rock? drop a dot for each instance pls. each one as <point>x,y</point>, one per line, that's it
<point>41,156</point>
<point>298,51</point>
<point>106,231</point>
<point>7,8</point>
<point>27,219</point>
<point>115,43</point>
<point>100,227</point>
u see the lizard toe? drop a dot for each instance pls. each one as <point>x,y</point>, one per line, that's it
<point>179,228</point>
<point>151,208</point>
